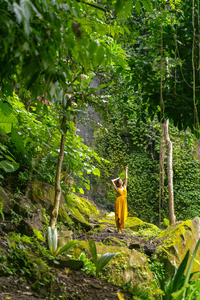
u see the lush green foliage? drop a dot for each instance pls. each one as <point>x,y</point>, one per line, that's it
<point>37,153</point>
<point>89,266</point>
<point>51,40</point>
<point>20,261</point>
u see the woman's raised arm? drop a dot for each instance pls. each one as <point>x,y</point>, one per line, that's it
<point>126,176</point>
<point>113,182</point>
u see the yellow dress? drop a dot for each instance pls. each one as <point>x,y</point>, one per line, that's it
<point>121,207</point>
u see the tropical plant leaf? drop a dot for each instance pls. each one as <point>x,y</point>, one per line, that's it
<point>39,235</point>
<point>67,246</point>
<point>87,186</point>
<point>9,166</point>
<point>57,251</point>
<point>166,221</point>
<point>54,239</point>
<point>17,140</point>
<point>49,237</point>
<point>179,295</point>
<point>191,263</point>
<point>93,251</point>
<point>104,260</point>
<point>96,172</point>
<point>179,274</point>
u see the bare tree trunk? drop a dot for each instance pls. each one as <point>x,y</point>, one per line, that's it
<point>169,173</point>
<point>54,214</point>
<point>162,171</point>
<point>196,119</point>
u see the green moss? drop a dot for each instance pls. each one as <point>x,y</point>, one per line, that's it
<point>98,228</point>
<point>106,221</point>
<point>85,208</point>
<point>63,216</point>
<point>143,228</point>
<point>177,239</point>
<point>113,241</point>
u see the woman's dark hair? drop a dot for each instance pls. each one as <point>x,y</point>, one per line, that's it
<point>117,182</point>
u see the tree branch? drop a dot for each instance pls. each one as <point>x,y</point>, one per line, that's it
<point>93,5</point>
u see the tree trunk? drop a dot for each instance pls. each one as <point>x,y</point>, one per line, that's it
<point>169,173</point>
<point>162,171</point>
<point>54,214</point>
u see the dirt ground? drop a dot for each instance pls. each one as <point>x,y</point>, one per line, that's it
<point>75,284</point>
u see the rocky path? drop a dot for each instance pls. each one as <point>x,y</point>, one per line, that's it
<point>108,235</point>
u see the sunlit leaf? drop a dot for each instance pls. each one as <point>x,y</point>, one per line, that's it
<point>96,172</point>
<point>9,166</point>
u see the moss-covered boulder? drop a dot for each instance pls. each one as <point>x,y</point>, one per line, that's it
<point>137,225</point>
<point>81,211</point>
<point>73,210</point>
<point>127,266</point>
<point>132,225</point>
<point>177,239</point>
<point>113,241</point>
<point>44,193</point>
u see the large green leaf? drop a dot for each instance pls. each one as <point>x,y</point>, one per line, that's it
<point>104,260</point>
<point>49,238</point>
<point>119,6</point>
<point>9,166</point>
<point>7,118</point>
<point>66,247</point>
<point>137,6</point>
<point>191,263</point>
<point>96,172</point>
<point>180,272</point>
<point>93,251</point>
<point>54,239</point>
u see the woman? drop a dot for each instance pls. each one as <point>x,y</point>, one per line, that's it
<point>121,202</point>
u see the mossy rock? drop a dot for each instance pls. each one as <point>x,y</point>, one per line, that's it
<point>86,208</point>
<point>107,221</point>
<point>78,218</point>
<point>27,226</point>
<point>64,237</point>
<point>5,201</point>
<point>98,228</point>
<point>141,227</point>
<point>127,266</point>
<point>81,211</point>
<point>64,217</point>
<point>44,193</point>
<point>113,241</point>
<point>177,240</point>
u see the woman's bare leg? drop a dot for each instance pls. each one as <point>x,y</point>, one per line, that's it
<point>118,227</point>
